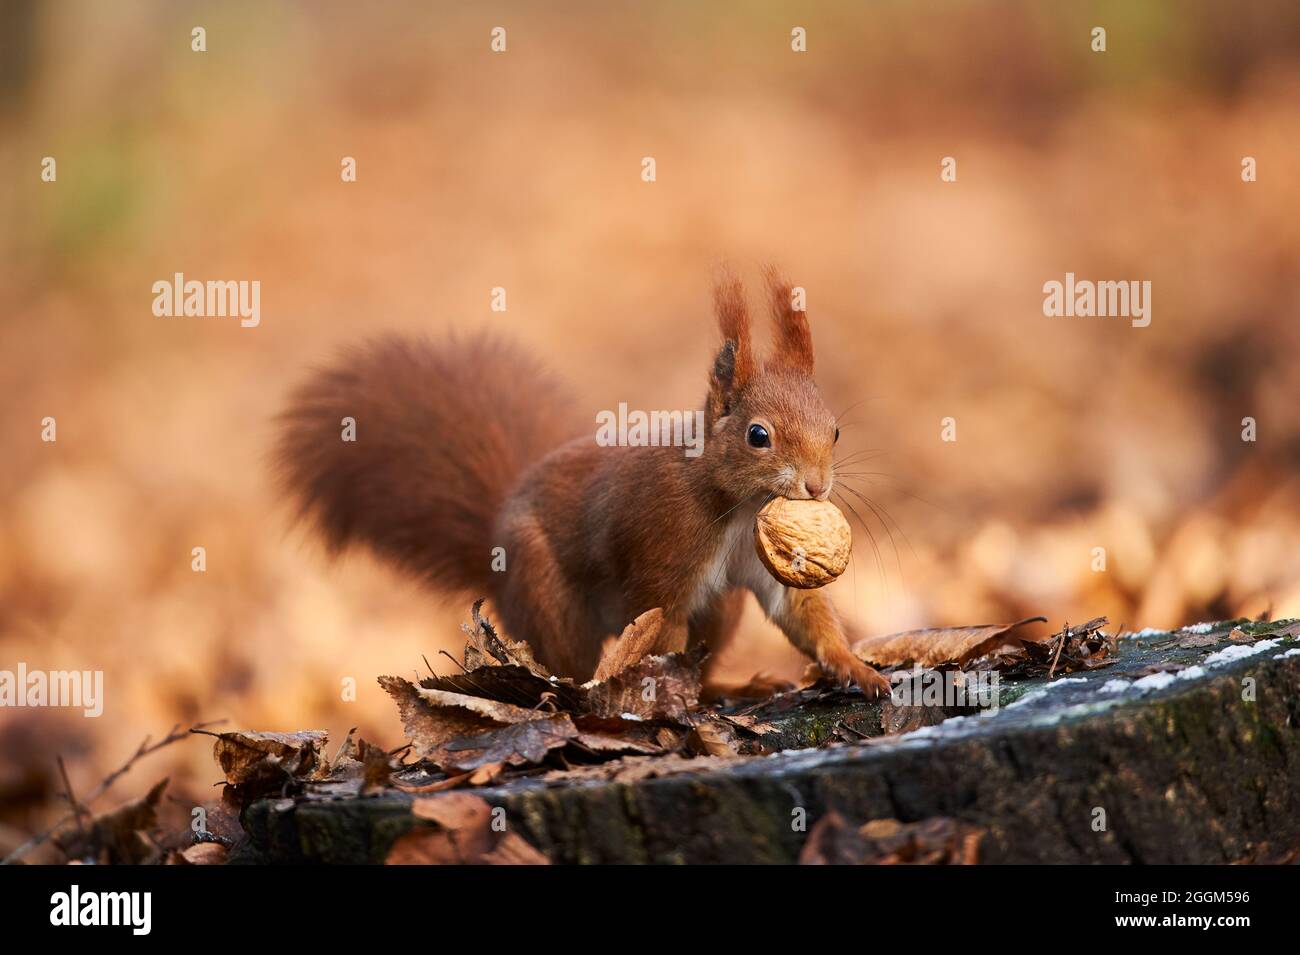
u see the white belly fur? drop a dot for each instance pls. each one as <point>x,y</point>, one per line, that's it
<point>735,563</point>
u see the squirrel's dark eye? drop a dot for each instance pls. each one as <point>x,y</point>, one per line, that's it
<point>758,437</point>
<point>837,435</point>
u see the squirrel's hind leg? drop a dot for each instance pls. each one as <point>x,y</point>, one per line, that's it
<point>715,625</point>
<point>538,606</point>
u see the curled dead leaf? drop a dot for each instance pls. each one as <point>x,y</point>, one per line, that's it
<point>516,744</point>
<point>650,634</point>
<point>937,646</point>
<point>486,647</point>
<point>247,757</point>
<point>428,727</point>
<point>203,853</point>
<point>654,688</point>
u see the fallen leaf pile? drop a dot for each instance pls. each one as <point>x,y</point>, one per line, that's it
<point>1085,647</point>
<point>502,715</point>
<point>505,711</point>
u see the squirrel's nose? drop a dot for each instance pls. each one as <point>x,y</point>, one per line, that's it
<point>814,488</point>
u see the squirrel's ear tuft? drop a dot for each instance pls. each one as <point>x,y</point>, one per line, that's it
<point>734,365</point>
<point>722,382</point>
<point>733,322</point>
<point>793,347</point>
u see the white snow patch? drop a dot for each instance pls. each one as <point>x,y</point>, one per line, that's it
<point>949,727</point>
<point>1198,628</point>
<point>1156,681</point>
<point>1294,652</point>
<point>1148,632</point>
<point>1239,651</point>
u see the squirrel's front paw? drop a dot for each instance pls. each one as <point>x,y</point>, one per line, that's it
<point>847,667</point>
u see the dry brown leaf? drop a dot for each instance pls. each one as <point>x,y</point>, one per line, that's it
<point>376,768</point>
<point>615,736</point>
<point>494,710</point>
<point>483,776</point>
<point>1194,640</point>
<point>517,744</point>
<point>604,745</point>
<point>511,683</point>
<point>653,688</point>
<point>749,723</point>
<point>485,647</point>
<point>347,750</point>
<point>247,757</point>
<point>428,727</point>
<point>647,635</point>
<point>712,737</point>
<point>203,853</point>
<point>937,647</point>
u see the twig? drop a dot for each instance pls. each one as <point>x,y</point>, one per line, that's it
<point>856,732</point>
<point>145,749</point>
<point>1065,635</point>
<point>72,800</point>
<point>400,749</point>
<point>453,660</point>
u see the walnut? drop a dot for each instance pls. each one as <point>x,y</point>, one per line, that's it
<point>803,544</point>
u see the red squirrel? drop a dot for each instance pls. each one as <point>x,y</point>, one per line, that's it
<point>468,445</point>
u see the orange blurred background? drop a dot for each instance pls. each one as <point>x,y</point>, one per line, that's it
<point>523,170</point>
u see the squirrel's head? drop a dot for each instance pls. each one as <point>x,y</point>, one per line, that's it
<point>767,424</point>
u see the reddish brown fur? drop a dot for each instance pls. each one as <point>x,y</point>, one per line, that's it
<point>594,536</point>
<point>794,337</point>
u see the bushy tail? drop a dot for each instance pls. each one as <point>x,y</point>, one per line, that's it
<point>442,432</point>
